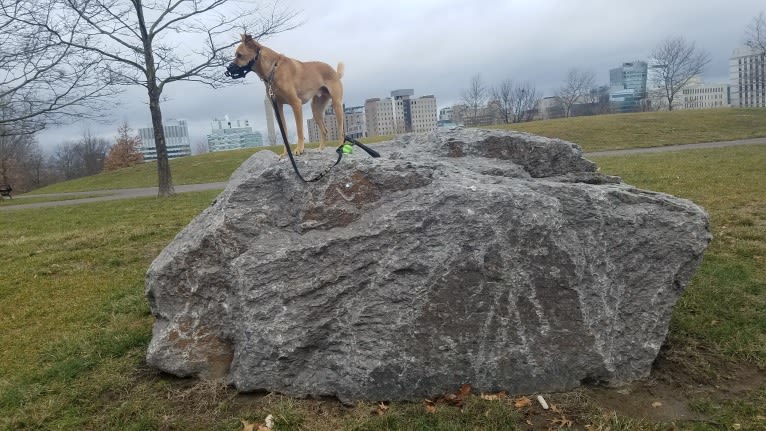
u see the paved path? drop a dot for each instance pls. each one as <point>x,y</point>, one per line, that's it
<point>667,148</point>
<point>108,195</point>
<point>105,195</point>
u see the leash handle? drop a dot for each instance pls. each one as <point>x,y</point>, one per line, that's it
<point>369,150</point>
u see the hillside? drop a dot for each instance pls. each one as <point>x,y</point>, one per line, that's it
<point>595,133</point>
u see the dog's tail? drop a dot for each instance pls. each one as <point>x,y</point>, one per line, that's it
<point>340,69</point>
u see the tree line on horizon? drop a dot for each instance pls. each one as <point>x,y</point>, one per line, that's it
<point>675,62</point>
<point>25,167</point>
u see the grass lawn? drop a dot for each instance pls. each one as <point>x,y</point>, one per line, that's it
<point>652,129</point>
<point>595,133</point>
<point>200,169</point>
<point>75,322</point>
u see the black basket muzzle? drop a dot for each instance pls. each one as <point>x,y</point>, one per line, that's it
<point>235,72</point>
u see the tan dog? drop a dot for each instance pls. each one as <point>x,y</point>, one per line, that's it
<point>295,83</point>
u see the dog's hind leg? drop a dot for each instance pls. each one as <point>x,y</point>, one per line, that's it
<point>336,92</point>
<point>318,104</point>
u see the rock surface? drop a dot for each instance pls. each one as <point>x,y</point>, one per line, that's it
<point>499,259</point>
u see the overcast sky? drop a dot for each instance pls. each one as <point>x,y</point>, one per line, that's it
<point>436,46</point>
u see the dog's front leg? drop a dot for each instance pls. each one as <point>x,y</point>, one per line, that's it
<point>298,113</point>
<point>284,125</point>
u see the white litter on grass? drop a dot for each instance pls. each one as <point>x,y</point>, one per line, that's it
<point>270,422</point>
<point>542,402</point>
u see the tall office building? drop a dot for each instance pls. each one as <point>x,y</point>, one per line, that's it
<point>232,134</point>
<point>628,85</point>
<point>176,140</point>
<point>747,76</point>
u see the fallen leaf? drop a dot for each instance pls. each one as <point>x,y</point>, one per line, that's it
<point>761,418</point>
<point>736,426</point>
<point>464,391</point>
<point>494,397</point>
<point>522,402</point>
<point>656,404</point>
<point>430,406</point>
<point>562,422</point>
<point>714,322</point>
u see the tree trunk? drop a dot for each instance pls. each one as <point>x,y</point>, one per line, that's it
<point>163,164</point>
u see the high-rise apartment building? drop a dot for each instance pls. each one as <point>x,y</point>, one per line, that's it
<point>747,76</point>
<point>231,135</point>
<point>400,113</point>
<point>176,140</point>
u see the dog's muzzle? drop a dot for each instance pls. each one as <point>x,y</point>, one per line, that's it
<point>235,72</point>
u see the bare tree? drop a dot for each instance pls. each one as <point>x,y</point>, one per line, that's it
<point>676,62</point>
<point>576,88</point>
<point>139,41</point>
<point>476,95</point>
<point>503,93</point>
<point>755,34</point>
<point>65,161</point>
<point>14,150</point>
<point>81,158</point>
<point>91,151</point>
<point>35,168</point>
<point>45,82</point>
<point>200,146</point>
<point>524,102</point>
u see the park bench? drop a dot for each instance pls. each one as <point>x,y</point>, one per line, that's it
<point>5,191</point>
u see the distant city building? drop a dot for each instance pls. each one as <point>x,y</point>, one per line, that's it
<point>445,114</point>
<point>747,76</point>
<point>380,117</point>
<point>628,86</point>
<point>630,76</point>
<point>400,113</point>
<point>176,140</point>
<point>354,123</point>
<point>550,107</point>
<point>706,96</point>
<point>232,134</point>
<point>271,136</point>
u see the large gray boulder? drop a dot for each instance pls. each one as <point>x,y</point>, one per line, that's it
<point>499,259</point>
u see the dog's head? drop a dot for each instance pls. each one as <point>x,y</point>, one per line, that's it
<point>246,55</point>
